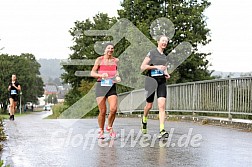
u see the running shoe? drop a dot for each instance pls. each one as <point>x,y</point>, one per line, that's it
<point>112,134</point>
<point>163,134</point>
<point>101,135</point>
<point>12,117</point>
<point>144,127</point>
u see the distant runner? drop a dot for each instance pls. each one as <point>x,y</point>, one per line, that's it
<point>13,88</point>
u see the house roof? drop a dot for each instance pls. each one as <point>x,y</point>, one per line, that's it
<point>51,89</point>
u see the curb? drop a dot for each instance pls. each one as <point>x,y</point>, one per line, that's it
<point>234,123</point>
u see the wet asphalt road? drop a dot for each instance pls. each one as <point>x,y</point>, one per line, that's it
<point>37,142</point>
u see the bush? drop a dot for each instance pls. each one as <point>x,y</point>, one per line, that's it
<point>60,108</point>
<point>57,109</point>
<point>2,134</point>
<point>93,113</point>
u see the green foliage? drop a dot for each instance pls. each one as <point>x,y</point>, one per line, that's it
<point>26,68</point>
<point>85,86</point>
<point>52,99</point>
<point>72,96</point>
<point>189,21</point>
<point>2,134</point>
<point>93,113</point>
<point>57,110</point>
<point>83,48</point>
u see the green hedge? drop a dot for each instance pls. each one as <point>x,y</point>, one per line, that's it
<point>59,108</point>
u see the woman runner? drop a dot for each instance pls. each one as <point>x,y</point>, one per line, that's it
<point>105,70</point>
<point>156,64</point>
<point>13,88</point>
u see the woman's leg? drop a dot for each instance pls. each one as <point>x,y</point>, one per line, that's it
<point>112,100</point>
<point>147,108</point>
<point>15,107</point>
<point>161,99</point>
<point>161,106</point>
<point>12,105</point>
<point>101,101</point>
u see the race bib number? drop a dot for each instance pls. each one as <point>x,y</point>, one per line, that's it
<point>106,82</point>
<point>13,92</point>
<point>156,73</point>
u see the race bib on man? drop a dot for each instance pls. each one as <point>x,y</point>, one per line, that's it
<point>156,73</point>
<point>13,92</point>
<point>106,82</point>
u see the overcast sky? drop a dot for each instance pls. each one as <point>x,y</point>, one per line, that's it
<point>41,27</point>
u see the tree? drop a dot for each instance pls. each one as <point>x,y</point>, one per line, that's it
<point>188,19</point>
<point>83,48</point>
<point>5,75</point>
<point>26,68</point>
<point>52,99</point>
<point>190,25</point>
<point>28,76</point>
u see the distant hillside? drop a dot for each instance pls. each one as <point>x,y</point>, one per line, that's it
<point>50,68</point>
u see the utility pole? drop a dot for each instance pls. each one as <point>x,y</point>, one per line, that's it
<point>20,104</point>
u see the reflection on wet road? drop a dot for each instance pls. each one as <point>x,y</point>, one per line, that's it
<point>33,141</point>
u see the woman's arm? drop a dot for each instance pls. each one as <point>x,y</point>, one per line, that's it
<point>18,88</point>
<point>117,77</point>
<point>167,76</point>
<point>145,65</point>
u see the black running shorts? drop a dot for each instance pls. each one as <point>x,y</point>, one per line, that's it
<point>14,97</point>
<point>155,84</point>
<point>101,91</point>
